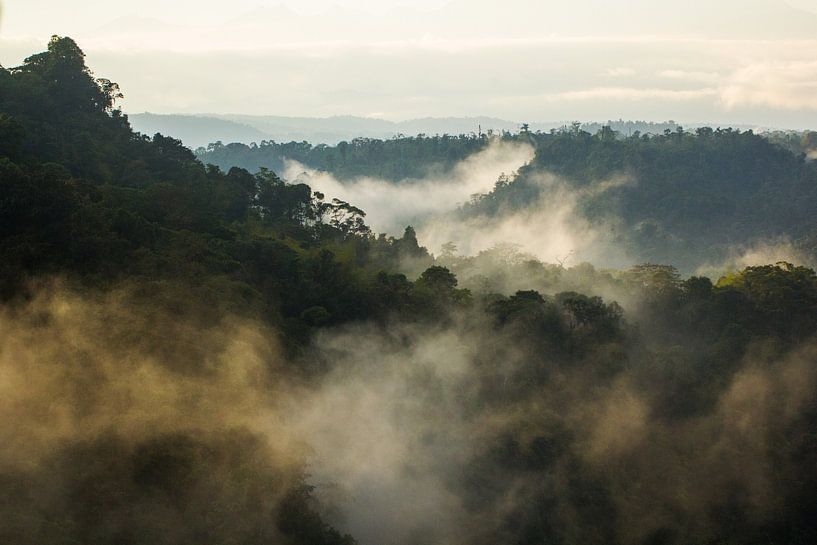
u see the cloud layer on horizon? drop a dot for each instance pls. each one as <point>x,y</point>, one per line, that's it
<point>411,63</point>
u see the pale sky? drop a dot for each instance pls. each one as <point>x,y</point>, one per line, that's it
<point>724,61</point>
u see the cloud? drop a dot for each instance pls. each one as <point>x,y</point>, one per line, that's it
<point>550,78</point>
<point>691,76</point>
<point>630,94</point>
<point>621,71</point>
<point>781,85</point>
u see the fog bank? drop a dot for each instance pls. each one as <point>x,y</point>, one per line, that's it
<point>390,206</point>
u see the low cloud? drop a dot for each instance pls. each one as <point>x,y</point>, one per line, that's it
<point>756,254</point>
<point>551,228</point>
<point>403,420</point>
<point>391,206</point>
<point>119,417</point>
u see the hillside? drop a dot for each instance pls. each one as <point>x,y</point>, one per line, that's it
<point>688,198</point>
<point>189,355</point>
<point>694,198</point>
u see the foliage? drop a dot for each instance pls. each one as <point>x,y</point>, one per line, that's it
<point>84,198</point>
<point>680,197</point>
<point>397,159</point>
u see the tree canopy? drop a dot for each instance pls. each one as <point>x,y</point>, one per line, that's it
<point>647,352</point>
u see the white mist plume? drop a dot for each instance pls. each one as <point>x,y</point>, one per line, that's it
<point>759,253</point>
<point>404,427</point>
<point>552,229</point>
<point>397,424</point>
<point>391,206</point>
<point>383,425</point>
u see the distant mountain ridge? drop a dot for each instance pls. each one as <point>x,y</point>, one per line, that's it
<point>201,130</point>
<point>195,131</point>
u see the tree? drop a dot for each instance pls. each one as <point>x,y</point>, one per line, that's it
<point>348,219</point>
<point>592,313</point>
<point>409,246</point>
<point>73,86</point>
<point>658,279</point>
<point>12,135</point>
<point>438,278</point>
<point>784,297</point>
<point>448,251</point>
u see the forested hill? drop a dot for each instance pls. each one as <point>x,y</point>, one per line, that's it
<point>680,197</point>
<point>182,348</point>
<point>395,159</point>
<point>685,197</point>
<point>85,196</point>
<point>199,130</point>
<point>87,201</point>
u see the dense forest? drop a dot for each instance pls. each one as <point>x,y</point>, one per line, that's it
<point>192,355</point>
<point>395,159</point>
<point>684,197</point>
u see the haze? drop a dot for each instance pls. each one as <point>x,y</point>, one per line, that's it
<point>726,62</point>
<point>522,60</point>
<point>477,328</point>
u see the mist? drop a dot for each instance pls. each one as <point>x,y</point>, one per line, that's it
<point>391,206</point>
<point>121,421</point>
<point>551,228</point>
<point>406,422</point>
<point>415,434</point>
<point>759,253</point>
<point>193,353</point>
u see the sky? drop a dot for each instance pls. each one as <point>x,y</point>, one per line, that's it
<point>726,62</point>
